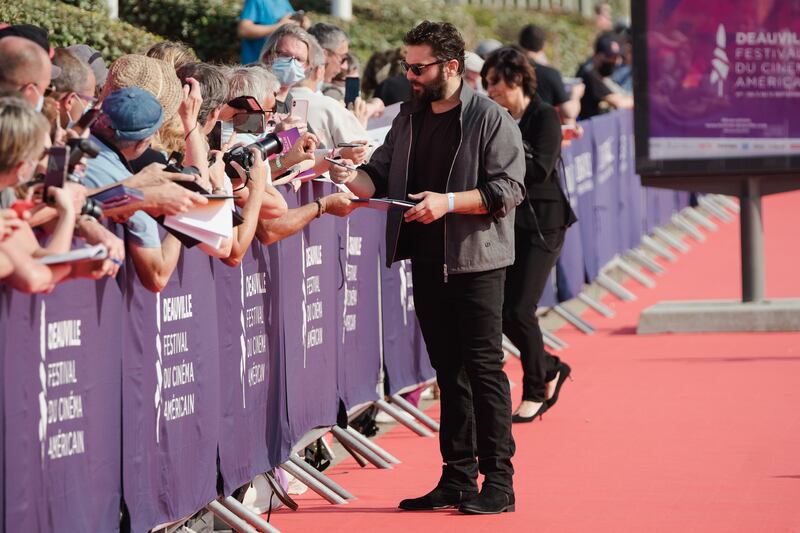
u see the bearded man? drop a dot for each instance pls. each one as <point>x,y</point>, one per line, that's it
<point>460,157</point>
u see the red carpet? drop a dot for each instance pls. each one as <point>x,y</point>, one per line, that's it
<point>657,433</point>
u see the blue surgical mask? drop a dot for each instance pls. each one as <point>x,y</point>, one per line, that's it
<point>288,71</point>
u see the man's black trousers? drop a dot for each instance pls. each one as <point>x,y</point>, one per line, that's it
<point>525,282</point>
<point>461,322</point>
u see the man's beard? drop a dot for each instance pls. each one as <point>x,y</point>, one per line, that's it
<point>431,92</point>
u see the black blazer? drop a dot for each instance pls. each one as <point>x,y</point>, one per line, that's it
<point>544,202</point>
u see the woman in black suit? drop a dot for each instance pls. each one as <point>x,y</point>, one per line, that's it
<point>541,223</point>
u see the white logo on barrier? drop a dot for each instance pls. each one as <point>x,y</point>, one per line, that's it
<point>720,65</point>
<point>43,380</point>
<point>303,301</point>
<point>344,294</point>
<point>159,366</point>
<point>243,361</point>
<point>401,269</point>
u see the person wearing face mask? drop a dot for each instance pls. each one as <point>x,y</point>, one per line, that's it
<point>25,67</point>
<point>286,54</point>
<point>74,87</point>
<point>598,98</point>
<point>330,121</point>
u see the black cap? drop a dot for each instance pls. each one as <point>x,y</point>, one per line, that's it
<point>607,44</point>
<point>33,33</point>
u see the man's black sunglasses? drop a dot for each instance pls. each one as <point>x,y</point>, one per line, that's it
<point>417,68</point>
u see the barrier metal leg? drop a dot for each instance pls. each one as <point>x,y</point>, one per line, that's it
<point>615,288</point>
<point>728,202</point>
<point>407,421</point>
<point>635,273</point>
<point>322,478</point>
<point>311,482</point>
<point>347,439</point>
<point>700,218</point>
<point>670,239</point>
<point>412,409</point>
<point>358,459</point>
<point>383,454</point>
<point>552,341</point>
<point>596,305</point>
<point>510,348</point>
<point>236,507</point>
<point>641,258</point>
<point>656,247</point>
<point>574,319</point>
<point>228,516</point>
<point>709,205</point>
<point>687,227</point>
<point>715,200</point>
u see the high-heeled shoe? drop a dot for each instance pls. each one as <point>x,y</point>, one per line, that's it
<point>519,419</point>
<point>564,372</point>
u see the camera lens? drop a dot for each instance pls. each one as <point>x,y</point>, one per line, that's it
<point>92,208</point>
<point>269,145</point>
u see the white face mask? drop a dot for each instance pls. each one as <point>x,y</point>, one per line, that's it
<point>86,107</point>
<point>40,102</point>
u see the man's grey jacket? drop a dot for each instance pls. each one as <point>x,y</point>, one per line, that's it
<point>489,158</point>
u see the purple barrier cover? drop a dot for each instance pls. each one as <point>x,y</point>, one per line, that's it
<point>310,270</point>
<point>583,161</point>
<point>404,354</point>
<point>570,267</point>
<point>630,187</point>
<point>606,187</point>
<point>61,393</point>
<point>170,395</point>
<point>359,313</point>
<point>247,316</point>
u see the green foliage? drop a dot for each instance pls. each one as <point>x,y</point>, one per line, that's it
<point>97,6</point>
<point>70,25</point>
<point>208,26</point>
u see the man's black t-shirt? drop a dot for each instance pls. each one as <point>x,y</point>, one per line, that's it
<point>596,91</point>
<point>549,85</point>
<point>433,149</point>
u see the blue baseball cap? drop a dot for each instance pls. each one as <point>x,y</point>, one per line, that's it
<point>134,113</point>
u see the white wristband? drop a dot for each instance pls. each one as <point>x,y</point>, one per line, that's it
<point>451,202</point>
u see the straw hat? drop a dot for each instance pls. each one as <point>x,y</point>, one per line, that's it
<point>153,75</point>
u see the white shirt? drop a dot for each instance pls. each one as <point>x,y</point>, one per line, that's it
<point>330,121</point>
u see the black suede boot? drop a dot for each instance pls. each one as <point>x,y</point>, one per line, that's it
<point>438,498</point>
<point>491,500</point>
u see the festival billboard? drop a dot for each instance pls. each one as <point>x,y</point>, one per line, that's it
<point>717,87</point>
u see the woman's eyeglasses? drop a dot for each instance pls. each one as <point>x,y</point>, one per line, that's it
<point>417,68</point>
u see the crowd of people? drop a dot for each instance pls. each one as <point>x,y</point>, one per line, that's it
<point>164,124</point>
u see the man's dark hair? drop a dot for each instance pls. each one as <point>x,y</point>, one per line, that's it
<point>532,37</point>
<point>213,86</point>
<point>74,72</point>
<point>443,38</point>
<point>512,66</point>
